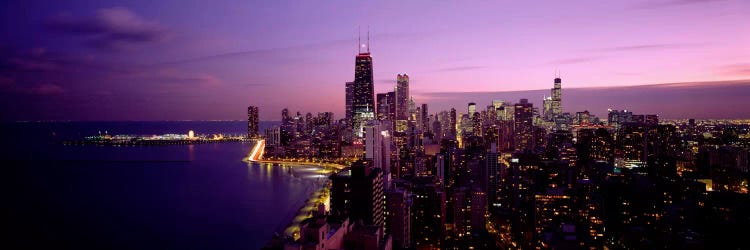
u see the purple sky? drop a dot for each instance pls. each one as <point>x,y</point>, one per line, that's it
<point>203,60</point>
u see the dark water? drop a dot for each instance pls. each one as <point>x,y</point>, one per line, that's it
<point>146,197</point>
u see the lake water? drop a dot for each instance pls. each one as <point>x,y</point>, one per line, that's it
<point>145,197</point>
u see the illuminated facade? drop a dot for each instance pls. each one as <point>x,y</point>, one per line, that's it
<point>402,97</point>
<point>386,106</point>
<point>556,103</point>
<point>362,95</point>
<point>252,122</point>
<point>348,102</point>
<point>523,125</point>
<point>378,147</point>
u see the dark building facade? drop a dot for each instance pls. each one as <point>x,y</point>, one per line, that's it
<point>363,96</point>
<point>357,192</point>
<point>252,122</point>
<point>523,125</point>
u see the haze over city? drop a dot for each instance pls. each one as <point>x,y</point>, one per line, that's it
<point>194,60</point>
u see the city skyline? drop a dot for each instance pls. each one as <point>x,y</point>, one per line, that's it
<point>85,62</point>
<point>380,125</point>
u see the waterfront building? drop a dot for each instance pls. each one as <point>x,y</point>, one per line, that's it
<point>321,232</point>
<point>252,122</point>
<point>357,193</point>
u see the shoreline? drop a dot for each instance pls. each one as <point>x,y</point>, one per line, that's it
<point>309,163</point>
<point>320,195</point>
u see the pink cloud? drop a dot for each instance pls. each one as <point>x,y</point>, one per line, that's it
<point>740,69</point>
<point>45,89</point>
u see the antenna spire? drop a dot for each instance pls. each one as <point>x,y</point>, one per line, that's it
<point>368,38</point>
<point>359,39</point>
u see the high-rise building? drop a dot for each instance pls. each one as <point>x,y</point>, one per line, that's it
<point>493,175</point>
<point>357,192</point>
<point>453,122</point>
<point>252,122</point>
<point>472,109</point>
<point>273,136</point>
<point>412,110</point>
<point>551,210</point>
<point>425,118</point>
<point>523,125</point>
<point>428,213</point>
<point>556,104</point>
<point>440,168</point>
<point>402,97</point>
<point>382,106</point>
<point>288,127</point>
<point>348,100</point>
<point>399,217</point>
<point>386,106</point>
<point>547,109</point>
<point>378,147</point>
<point>363,97</point>
<point>617,118</point>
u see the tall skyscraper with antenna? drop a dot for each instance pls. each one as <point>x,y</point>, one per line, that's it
<point>556,103</point>
<point>363,98</point>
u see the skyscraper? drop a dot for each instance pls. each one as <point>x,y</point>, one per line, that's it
<point>472,109</point>
<point>381,104</point>
<point>425,118</point>
<point>547,109</point>
<point>402,97</point>
<point>378,147</point>
<point>348,100</point>
<point>399,217</point>
<point>493,175</point>
<point>386,106</point>
<point>556,103</point>
<point>523,125</point>
<point>363,98</point>
<point>252,122</point>
<point>357,192</point>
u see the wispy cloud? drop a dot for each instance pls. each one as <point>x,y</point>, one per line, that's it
<point>44,89</point>
<point>575,60</point>
<point>251,85</point>
<point>386,81</point>
<point>739,69</point>
<point>179,78</point>
<point>644,47</point>
<point>257,52</point>
<point>460,68</point>
<point>301,47</point>
<point>652,4</point>
<point>111,29</point>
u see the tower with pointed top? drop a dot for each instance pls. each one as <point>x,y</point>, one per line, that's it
<point>556,102</point>
<point>363,98</point>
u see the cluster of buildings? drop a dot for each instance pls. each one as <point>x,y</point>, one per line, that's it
<point>507,175</point>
